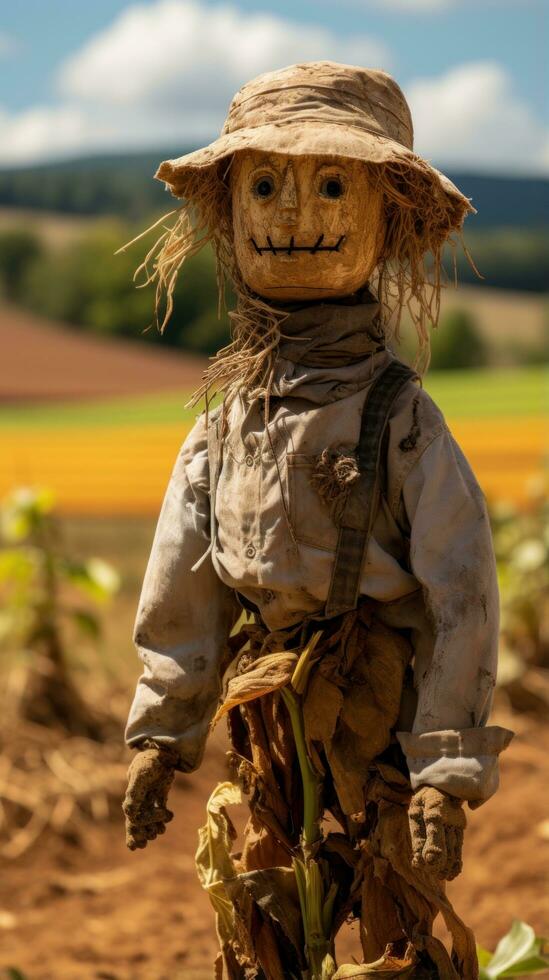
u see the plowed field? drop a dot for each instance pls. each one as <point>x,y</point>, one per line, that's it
<point>44,361</point>
<point>94,911</point>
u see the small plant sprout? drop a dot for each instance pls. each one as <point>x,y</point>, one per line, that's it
<point>43,590</point>
<point>518,954</point>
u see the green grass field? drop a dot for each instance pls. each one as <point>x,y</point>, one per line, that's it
<point>487,393</point>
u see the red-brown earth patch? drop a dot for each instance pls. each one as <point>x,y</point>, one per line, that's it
<point>45,361</point>
<point>95,910</point>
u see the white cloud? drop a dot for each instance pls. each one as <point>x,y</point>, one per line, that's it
<point>399,7</point>
<point>185,54</point>
<point>54,132</point>
<point>471,117</point>
<point>25,135</point>
<point>415,6</point>
<point>165,73</point>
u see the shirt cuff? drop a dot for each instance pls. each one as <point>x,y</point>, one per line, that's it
<point>463,763</point>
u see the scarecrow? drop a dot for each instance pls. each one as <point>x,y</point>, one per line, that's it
<point>325,507</point>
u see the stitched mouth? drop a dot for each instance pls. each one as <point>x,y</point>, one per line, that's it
<point>292,247</point>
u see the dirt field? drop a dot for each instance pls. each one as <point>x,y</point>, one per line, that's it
<point>90,910</point>
<point>43,361</point>
<point>93,910</point>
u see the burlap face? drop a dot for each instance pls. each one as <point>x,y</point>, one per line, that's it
<point>305,227</point>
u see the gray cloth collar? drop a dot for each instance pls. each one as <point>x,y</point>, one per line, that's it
<point>332,334</point>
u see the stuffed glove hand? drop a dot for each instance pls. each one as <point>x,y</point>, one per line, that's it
<point>149,779</point>
<point>437,822</point>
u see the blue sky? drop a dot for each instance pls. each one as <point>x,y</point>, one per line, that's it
<point>112,74</point>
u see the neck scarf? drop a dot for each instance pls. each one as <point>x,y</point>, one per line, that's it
<point>333,334</point>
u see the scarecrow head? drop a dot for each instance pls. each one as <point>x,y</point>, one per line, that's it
<point>312,192</point>
<point>305,227</point>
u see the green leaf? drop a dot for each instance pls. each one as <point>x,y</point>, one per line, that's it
<point>104,576</point>
<point>17,565</point>
<point>529,554</point>
<point>534,964</point>
<point>538,962</point>
<point>484,956</point>
<point>12,973</point>
<point>86,622</point>
<point>518,946</point>
<point>95,577</point>
<point>24,510</point>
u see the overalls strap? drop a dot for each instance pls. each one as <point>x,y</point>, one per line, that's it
<point>357,519</point>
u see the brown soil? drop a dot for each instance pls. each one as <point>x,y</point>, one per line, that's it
<point>43,361</point>
<point>94,910</point>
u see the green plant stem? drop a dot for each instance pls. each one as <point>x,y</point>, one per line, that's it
<point>311,782</point>
<point>315,910</point>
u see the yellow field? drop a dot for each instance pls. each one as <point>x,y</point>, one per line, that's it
<point>124,469</point>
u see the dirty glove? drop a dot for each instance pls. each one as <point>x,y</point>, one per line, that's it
<point>149,779</point>
<point>437,822</point>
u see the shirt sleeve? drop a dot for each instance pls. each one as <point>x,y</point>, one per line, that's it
<point>451,555</point>
<point>184,616</point>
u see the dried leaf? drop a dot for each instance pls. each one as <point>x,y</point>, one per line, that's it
<point>420,890</point>
<point>349,757</point>
<point>263,676</point>
<point>337,843</point>
<point>213,859</point>
<point>373,700</point>
<point>266,843</point>
<point>305,663</point>
<point>379,917</point>
<point>274,891</point>
<point>321,708</point>
<point>278,730</point>
<point>387,966</point>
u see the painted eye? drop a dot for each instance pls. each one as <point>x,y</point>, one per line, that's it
<point>331,187</point>
<point>264,187</point>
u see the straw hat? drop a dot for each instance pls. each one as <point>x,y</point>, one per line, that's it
<point>319,107</point>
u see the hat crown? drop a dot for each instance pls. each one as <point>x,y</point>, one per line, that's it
<point>324,92</point>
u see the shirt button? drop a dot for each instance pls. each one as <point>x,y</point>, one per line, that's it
<point>250,551</point>
<point>249,460</point>
<point>269,596</point>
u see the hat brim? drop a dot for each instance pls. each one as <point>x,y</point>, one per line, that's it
<point>305,139</point>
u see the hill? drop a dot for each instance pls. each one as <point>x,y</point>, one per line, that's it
<point>43,361</point>
<point>123,184</point>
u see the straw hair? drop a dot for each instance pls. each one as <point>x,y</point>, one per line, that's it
<point>421,219</point>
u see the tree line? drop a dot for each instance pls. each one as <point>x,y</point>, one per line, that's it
<point>85,284</point>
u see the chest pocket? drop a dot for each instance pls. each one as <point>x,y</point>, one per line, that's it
<point>311,517</point>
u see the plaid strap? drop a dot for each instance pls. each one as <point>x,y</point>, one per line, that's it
<point>355,525</point>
